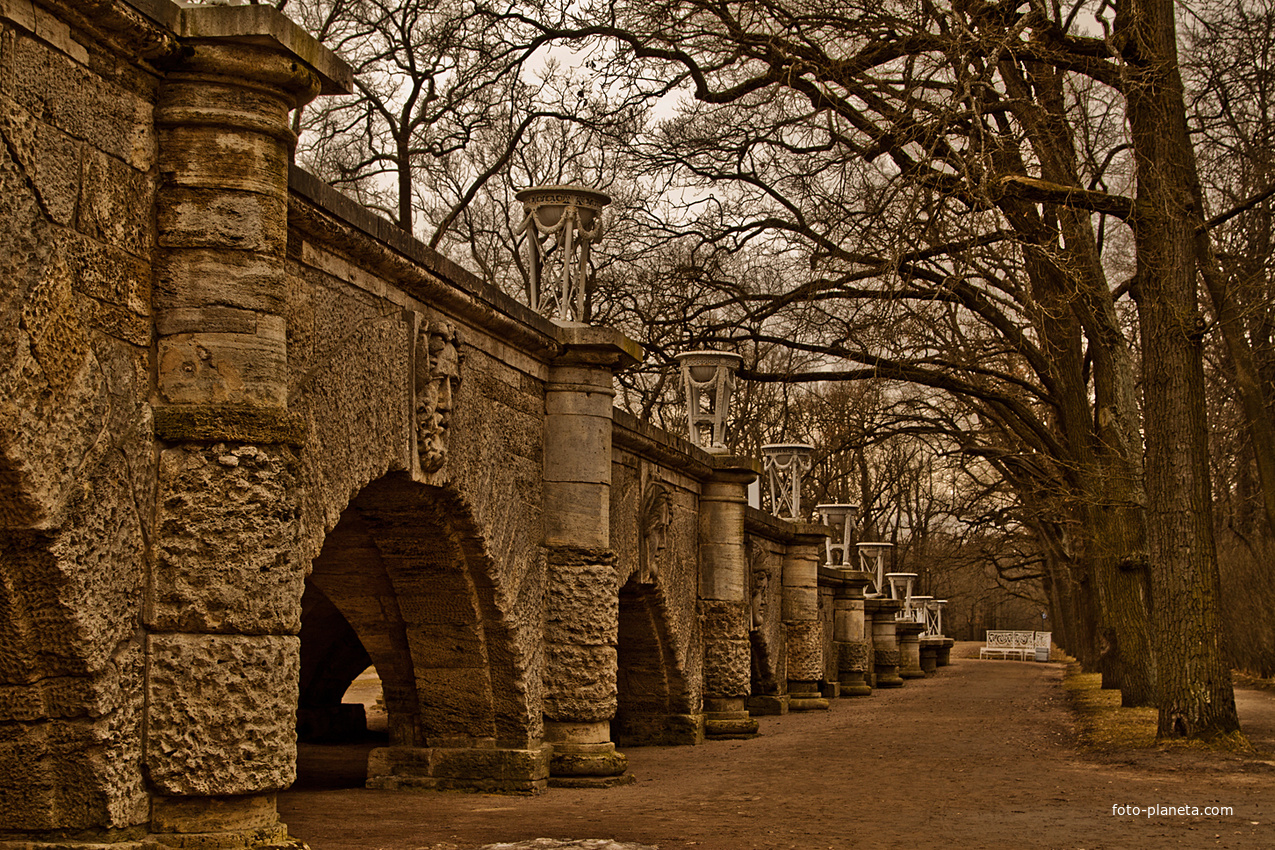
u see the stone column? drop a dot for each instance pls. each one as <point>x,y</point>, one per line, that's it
<point>223,605</point>
<point>801,617</point>
<point>909,636</point>
<point>885,645</point>
<point>848,633</point>
<point>582,599</point>
<point>723,598</point>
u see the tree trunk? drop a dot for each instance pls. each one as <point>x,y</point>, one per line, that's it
<point>1196,695</point>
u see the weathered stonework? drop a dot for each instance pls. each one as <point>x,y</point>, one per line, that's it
<point>222,712</point>
<point>225,555</point>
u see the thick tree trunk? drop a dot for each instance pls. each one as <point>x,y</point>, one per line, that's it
<point>1099,425</point>
<point>1196,696</point>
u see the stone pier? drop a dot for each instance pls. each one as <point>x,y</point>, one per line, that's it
<point>909,638</point>
<point>222,609</point>
<point>582,611</point>
<point>851,632</point>
<point>885,645</point>
<point>805,662</point>
<point>723,595</point>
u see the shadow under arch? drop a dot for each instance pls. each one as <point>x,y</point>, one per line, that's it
<point>653,703</point>
<point>408,570</point>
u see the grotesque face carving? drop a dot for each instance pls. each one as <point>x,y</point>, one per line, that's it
<point>657,516</point>
<point>438,362</point>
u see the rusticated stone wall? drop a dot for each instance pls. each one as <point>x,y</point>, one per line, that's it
<point>77,466</point>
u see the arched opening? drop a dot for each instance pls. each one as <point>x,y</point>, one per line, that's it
<point>653,703</point>
<point>403,584</point>
<point>340,710</point>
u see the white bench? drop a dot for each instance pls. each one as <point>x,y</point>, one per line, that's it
<point>1015,644</point>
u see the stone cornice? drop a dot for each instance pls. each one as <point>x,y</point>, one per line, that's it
<point>331,219</point>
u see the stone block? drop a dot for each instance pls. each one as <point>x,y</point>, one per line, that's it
<point>578,449</point>
<point>579,683</point>
<point>49,158</point>
<point>606,762</point>
<point>723,620</point>
<point>221,713</point>
<point>723,572</point>
<point>727,668</point>
<point>768,704</point>
<point>68,599</point>
<point>582,605</point>
<point>852,655</point>
<point>207,218</point>
<point>576,514</point>
<point>115,204</point>
<point>510,771</point>
<point>455,702</point>
<point>226,368</point>
<point>113,118</point>
<point>227,540</point>
<point>805,651</point>
<point>658,730</point>
<point>233,159</point>
<point>258,838</point>
<point>238,279</point>
<point>213,814</point>
<point>800,603</point>
<point>74,774</point>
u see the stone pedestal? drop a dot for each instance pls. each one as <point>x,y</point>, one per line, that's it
<point>909,637</point>
<point>583,756</point>
<point>582,600</point>
<point>885,646</point>
<point>930,648</point>
<point>944,656</point>
<point>805,635</point>
<point>768,704</point>
<point>723,594</point>
<point>848,632</point>
<point>222,608</point>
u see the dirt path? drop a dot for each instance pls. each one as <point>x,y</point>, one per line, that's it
<point>980,756</point>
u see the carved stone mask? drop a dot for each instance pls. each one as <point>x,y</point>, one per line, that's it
<point>438,362</point>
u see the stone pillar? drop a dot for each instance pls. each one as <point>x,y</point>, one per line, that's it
<point>885,645</point>
<point>909,636</point>
<point>849,634</point>
<point>223,604</point>
<point>582,599</point>
<point>723,598</point>
<point>801,617</point>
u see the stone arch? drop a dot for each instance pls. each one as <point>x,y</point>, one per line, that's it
<point>332,657</point>
<point>406,567</point>
<point>654,704</point>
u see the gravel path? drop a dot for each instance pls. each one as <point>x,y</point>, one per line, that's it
<point>980,756</point>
